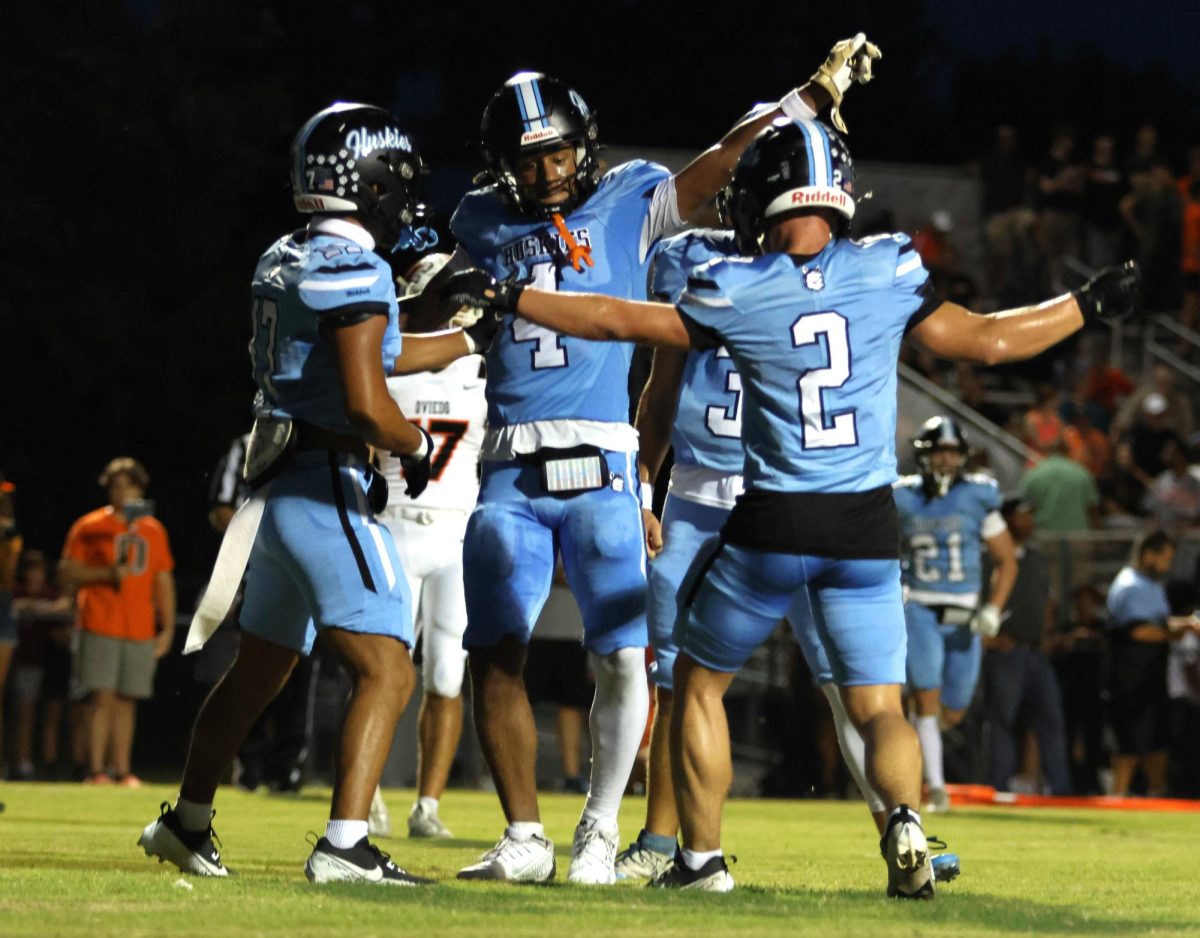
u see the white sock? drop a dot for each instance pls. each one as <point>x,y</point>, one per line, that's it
<point>617,723</point>
<point>854,750</point>
<point>193,815</point>
<point>694,859</point>
<point>525,830</point>
<point>428,805</point>
<point>930,735</point>
<point>345,834</point>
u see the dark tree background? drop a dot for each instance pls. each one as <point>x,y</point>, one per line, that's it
<point>144,156</point>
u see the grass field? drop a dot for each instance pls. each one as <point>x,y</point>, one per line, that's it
<point>69,866</point>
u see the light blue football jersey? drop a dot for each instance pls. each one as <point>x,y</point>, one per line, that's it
<point>535,373</point>
<point>816,342</point>
<point>941,539</point>
<point>708,420</point>
<point>301,279</point>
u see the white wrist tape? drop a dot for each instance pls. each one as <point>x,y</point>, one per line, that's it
<point>647,494</point>
<point>795,107</point>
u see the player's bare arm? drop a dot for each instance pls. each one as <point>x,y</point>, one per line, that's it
<point>655,416</point>
<point>953,331</point>
<point>1003,552</point>
<point>432,351</point>
<point>849,61</point>
<point>369,407</point>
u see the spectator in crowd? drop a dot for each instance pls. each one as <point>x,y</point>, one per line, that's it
<point>1174,496</point>
<point>1079,653</point>
<point>1183,688</point>
<point>1059,203</point>
<point>1007,217</point>
<point>1062,493</point>
<point>1104,385</point>
<point>1152,211</point>
<point>1177,415</point>
<point>1145,150</point>
<point>10,552</point>
<point>1104,185</point>
<point>1140,628</point>
<point>119,563</point>
<point>1042,426</point>
<point>1149,437</point>
<point>973,393</point>
<point>41,665</point>
<point>1087,445</point>
<point>1017,675</point>
<point>1122,488</point>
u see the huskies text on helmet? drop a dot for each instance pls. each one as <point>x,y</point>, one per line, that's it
<point>353,159</point>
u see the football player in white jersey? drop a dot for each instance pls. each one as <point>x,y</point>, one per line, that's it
<point>449,404</point>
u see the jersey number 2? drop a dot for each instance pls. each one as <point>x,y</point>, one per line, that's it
<point>822,430</point>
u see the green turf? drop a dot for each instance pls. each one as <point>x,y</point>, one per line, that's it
<point>68,866</point>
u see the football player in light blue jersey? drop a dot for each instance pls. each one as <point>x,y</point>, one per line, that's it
<point>313,557</point>
<point>946,519</point>
<point>696,399</point>
<point>559,461</point>
<point>813,327</point>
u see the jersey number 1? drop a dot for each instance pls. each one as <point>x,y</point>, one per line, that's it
<point>822,430</point>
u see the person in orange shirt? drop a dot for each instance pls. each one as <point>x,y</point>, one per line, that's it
<point>119,562</point>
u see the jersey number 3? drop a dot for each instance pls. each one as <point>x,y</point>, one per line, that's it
<point>822,430</point>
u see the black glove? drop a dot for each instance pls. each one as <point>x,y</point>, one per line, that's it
<point>478,288</point>
<point>1112,294</point>
<point>417,468</point>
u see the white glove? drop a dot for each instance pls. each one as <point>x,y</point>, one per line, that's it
<point>986,622</point>
<point>849,61</point>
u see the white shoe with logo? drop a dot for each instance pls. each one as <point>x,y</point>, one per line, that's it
<point>515,861</point>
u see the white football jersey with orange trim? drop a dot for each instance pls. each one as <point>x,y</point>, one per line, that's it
<point>449,404</point>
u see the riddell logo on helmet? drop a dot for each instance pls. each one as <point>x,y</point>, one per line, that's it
<point>363,142</point>
<point>802,197</point>
<point>537,136</point>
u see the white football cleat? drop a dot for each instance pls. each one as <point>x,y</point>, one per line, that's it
<point>594,855</point>
<point>904,847</point>
<point>713,876</point>
<point>422,823</point>
<point>191,851</point>
<point>379,822</point>
<point>638,862</point>
<point>515,861</point>
<point>362,863</point>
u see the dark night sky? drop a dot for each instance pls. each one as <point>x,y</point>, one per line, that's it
<point>145,161</point>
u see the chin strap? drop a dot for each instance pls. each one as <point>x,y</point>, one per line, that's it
<point>578,254</point>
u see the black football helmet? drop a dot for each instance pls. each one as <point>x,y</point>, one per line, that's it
<point>791,166</point>
<point>938,433</point>
<point>531,114</point>
<point>353,159</point>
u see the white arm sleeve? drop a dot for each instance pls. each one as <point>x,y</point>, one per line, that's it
<point>663,219</point>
